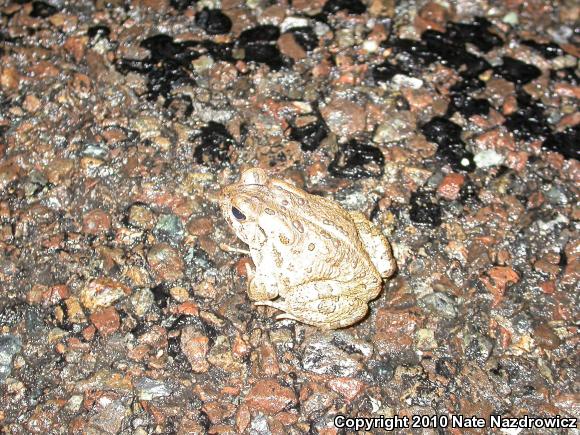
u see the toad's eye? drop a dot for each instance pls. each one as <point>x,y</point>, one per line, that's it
<point>238,214</point>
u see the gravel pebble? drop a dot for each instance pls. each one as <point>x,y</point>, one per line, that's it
<point>9,346</point>
<point>102,292</point>
<point>269,397</point>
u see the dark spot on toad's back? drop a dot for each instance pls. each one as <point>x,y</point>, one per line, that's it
<point>215,143</point>
<point>516,71</point>
<point>357,160</point>
<point>424,210</point>
<point>42,10</point>
<point>213,21</point>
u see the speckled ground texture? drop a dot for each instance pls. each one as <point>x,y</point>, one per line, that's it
<point>453,126</point>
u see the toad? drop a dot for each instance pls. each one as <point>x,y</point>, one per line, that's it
<point>315,261</point>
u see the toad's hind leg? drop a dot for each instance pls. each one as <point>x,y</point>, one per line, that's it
<point>376,244</point>
<point>325,312</point>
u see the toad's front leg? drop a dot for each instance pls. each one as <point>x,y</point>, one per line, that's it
<point>260,287</point>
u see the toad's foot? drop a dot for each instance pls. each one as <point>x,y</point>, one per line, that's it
<point>232,249</point>
<point>260,288</point>
<point>284,316</point>
<point>250,272</point>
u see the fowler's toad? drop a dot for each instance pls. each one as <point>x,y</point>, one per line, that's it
<point>315,261</point>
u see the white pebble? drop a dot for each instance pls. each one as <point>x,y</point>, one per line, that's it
<point>488,158</point>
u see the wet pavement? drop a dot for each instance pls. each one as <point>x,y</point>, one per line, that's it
<point>453,128</point>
